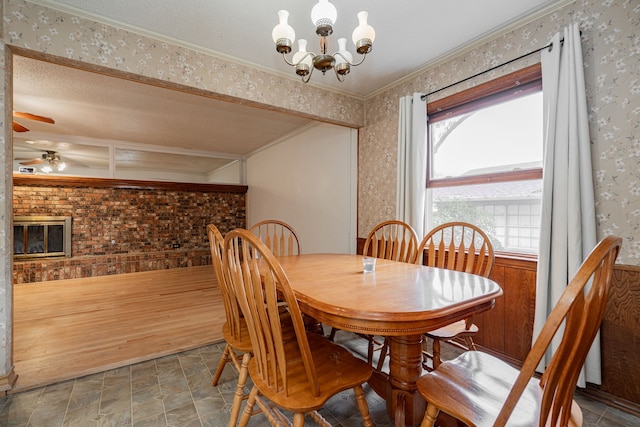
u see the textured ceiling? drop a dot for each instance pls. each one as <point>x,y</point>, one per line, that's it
<point>106,110</point>
<point>409,33</point>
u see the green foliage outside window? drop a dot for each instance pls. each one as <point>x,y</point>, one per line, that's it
<point>452,210</point>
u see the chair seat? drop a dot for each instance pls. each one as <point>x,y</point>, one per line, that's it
<point>449,387</point>
<point>337,370</point>
<point>454,330</point>
<point>240,342</point>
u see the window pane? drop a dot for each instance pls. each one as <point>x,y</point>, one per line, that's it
<point>499,138</point>
<point>509,212</point>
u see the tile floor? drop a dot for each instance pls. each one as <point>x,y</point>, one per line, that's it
<point>176,391</point>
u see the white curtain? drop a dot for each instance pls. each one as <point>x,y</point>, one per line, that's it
<point>568,225</point>
<point>412,162</point>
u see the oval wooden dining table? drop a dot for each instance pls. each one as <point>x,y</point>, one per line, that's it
<point>398,300</point>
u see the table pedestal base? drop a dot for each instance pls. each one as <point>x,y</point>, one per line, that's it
<point>404,403</point>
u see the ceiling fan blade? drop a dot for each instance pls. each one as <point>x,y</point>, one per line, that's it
<point>32,162</point>
<point>33,117</point>
<point>17,127</point>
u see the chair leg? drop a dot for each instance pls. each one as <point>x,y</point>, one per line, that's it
<point>430,416</point>
<point>226,356</point>
<point>248,410</point>
<point>319,419</point>
<point>239,396</point>
<point>312,325</point>
<point>363,406</point>
<point>271,412</point>
<point>370,350</point>
<point>470,344</point>
<point>436,354</point>
<point>298,419</point>
<point>383,354</point>
<point>332,334</point>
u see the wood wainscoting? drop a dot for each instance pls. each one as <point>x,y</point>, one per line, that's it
<point>507,329</point>
<point>620,339</point>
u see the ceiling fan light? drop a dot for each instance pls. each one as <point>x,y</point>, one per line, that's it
<point>364,34</point>
<point>283,34</point>
<point>46,169</point>
<point>61,166</point>
<point>323,16</point>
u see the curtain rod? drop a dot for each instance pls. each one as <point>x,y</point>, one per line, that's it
<point>549,46</point>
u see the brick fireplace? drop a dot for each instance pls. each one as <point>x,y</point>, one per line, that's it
<point>41,237</point>
<point>125,226</point>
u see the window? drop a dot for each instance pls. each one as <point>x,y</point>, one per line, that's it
<point>485,159</point>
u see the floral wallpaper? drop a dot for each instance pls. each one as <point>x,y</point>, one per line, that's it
<point>611,50</point>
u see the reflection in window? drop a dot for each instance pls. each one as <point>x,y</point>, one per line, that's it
<point>485,165</point>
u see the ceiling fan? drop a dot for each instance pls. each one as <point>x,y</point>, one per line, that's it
<point>51,159</point>
<point>17,127</point>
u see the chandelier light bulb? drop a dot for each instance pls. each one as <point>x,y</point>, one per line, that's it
<point>323,16</point>
<point>364,34</point>
<point>283,34</point>
<point>343,58</point>
<point>302,59</point>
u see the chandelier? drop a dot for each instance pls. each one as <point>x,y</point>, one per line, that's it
<point>323,16</point>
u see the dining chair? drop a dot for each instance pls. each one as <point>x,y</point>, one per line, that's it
<point>280,237</point>
<point>455,246</point>
<point>234,329</point>
<point>393,240</point>
<point>298,375</point>
<point>481,390</point>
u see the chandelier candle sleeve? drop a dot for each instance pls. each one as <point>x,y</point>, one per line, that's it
<point>323,16</point>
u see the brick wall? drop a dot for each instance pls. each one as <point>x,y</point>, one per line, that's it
<point>121,230</point>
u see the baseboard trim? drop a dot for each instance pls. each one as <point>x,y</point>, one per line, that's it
<point>8,381</point>
<point>594,392</point>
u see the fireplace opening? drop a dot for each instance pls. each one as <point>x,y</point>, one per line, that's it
<point>41,236</point>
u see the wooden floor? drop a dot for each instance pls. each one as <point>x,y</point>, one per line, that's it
<point>70,328</point>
